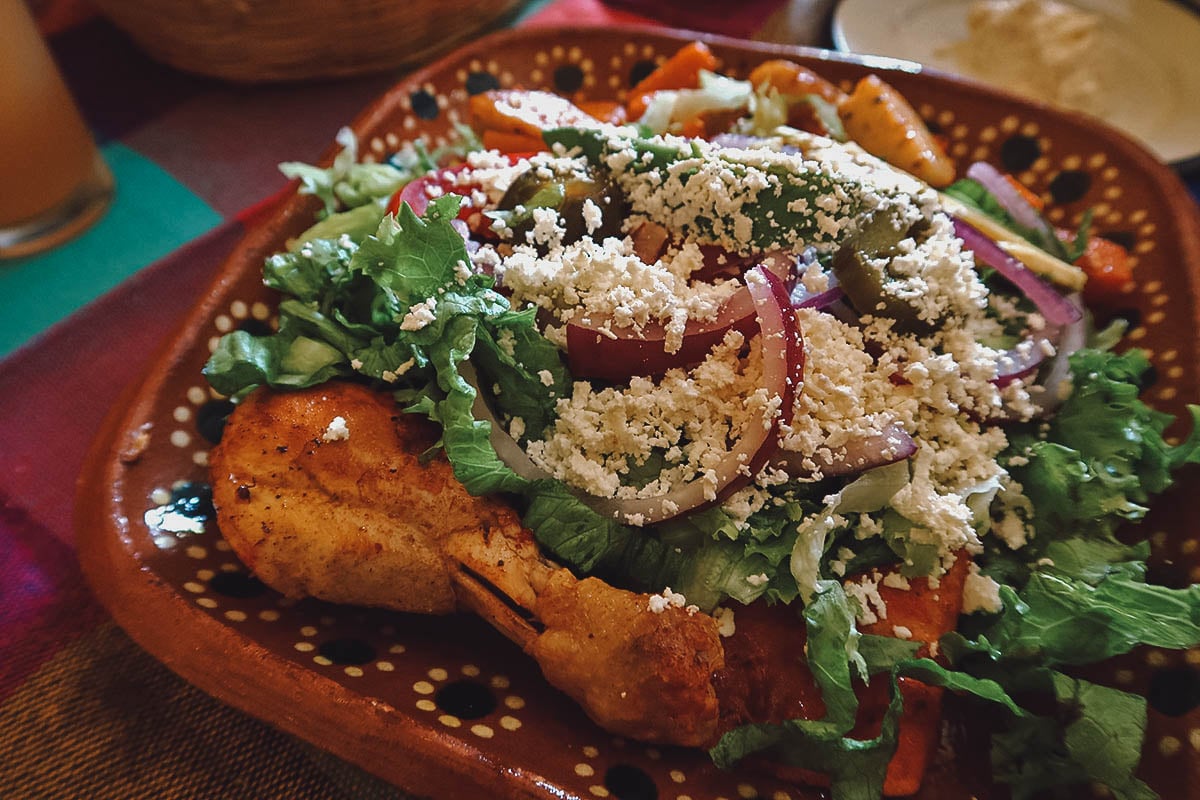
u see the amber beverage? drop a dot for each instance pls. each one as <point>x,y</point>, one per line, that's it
<point>53,183</point>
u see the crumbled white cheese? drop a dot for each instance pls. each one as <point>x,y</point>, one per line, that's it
<point>862,381</point>
<point>659,603</point>
<point>419,315</point>
<point>725,623</point>
<point>980,593</point>
<point>593,217</point>
<point>902,632</point>
<point>871,606</point>
<point>600,433</point>
<point>337,430</point>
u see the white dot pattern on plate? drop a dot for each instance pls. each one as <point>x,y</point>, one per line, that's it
<point>1117,208</point>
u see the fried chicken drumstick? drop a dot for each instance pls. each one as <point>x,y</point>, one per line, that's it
<point>351,511</point>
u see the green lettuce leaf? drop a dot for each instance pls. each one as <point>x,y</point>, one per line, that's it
<point>1100,742</point>
<point>347,183</point>
<point>1103,456</point>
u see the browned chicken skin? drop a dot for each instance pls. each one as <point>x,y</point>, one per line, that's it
<point>356,514</point>
<point>353,514</point>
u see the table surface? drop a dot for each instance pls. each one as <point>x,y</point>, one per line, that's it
<point>84,712</point>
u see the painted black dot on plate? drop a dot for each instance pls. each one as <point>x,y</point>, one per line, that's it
<point>1126,239</point>
<point>210,419</point>
<point>193,499</point>
<point>236,584</point>
<point>424,105</point>
<point>1171,574</point>
<point>627,782</point>
<point>1019,152</point>
<point>480,82</point>
<point>568,79</point>
<point>1174,691</point>
<point>1070,185</point>
<point>347,651</point>
<point>640,70</point>
<point>466,699</point>
<point>255,327</point>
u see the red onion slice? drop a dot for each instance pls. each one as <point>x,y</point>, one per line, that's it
<point>507,448</point>
<point>1009,198</point>
<point>820,300</point>
<point>783,370</point>
<point>1057,309</point>
<point>1024,360</point>
<point>890,445</point>
<point>1056,376</point>
<point>416,192</point>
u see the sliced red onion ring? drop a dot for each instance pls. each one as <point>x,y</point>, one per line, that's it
<point>1057,309</point>
<point>1056,376</point>
<point>890,445</point>
<point>464,230</point>
<point>416,191</point>
<point>820,300</point>
<point>507,448</point>
<point>1024,360</point>
<point>1008,196</point>
<point>783,371</point>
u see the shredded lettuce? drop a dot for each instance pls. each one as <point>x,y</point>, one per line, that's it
<point>368,295</point>
<point>347,183</point>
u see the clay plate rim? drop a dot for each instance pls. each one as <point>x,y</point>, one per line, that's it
<point>243,674</point>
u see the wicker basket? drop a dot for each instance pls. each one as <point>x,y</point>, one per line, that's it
<point>282,40</point>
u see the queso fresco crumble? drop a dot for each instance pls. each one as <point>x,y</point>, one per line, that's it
<point>761,370</point>
<point>862,379</point>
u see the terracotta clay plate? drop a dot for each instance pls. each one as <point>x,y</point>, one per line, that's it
<point>447,707</point>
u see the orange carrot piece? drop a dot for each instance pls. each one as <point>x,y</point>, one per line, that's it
<point>693,127</point>
<point>680,71</point>
<point>885,124</point>
<point>604,110</point>
<point>1107,267</point>
<point>788,77</point>
<point>524,112</point>
<point>927,612</point>
<point>508,143</point>
<point>1026,192</point>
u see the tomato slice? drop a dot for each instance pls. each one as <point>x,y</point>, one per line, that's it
<point>419,191</point>
<point>1108,269</point>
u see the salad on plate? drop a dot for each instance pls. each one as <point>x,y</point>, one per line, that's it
<point>751,424</point>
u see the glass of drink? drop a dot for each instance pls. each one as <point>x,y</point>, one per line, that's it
<point>53,183</point>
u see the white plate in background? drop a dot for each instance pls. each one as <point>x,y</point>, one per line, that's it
<point>1154,96</point>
